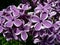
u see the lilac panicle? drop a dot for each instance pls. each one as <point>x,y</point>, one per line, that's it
<point>43,24</point>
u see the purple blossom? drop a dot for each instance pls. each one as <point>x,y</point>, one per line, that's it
<point>23,7</point>
<point>2,20</point>
<point>43,24</point>
<point>23,31</point>
<point>41,8</point>
<point>9,34</point>
<point>41,21</point>
<point>12,20</point>
<point>44,38</point>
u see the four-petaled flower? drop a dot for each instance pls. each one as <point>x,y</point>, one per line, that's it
<point>41,21</point>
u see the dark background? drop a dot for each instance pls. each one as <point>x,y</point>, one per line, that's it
<point>5,3</point>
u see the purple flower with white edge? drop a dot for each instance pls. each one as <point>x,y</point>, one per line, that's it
<point>45,38</point>
<point>52,13</point>
<point>58,36</point>
<point>2,20</point>
<point>9,34</point>
<point>12,20</point>
<point>56,25</point>
<point>41,8</point>
<point>23,7</point>
<point>14,10</point>
<point>22,30</point>
<point>41,21</point>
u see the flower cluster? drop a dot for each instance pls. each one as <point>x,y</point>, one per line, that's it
<point>43,23</point>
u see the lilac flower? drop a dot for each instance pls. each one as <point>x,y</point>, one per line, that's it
<point>58,37</point>
<point>56,25</point>
<point>16,23</point>
<point>2,20</point>
<point>58,6</point>
<point>15,11</point>
<point>12,20</point>
<point>41,8</point>
<point>9,34</point>
<point>41,21</point>
<point>23,7</point>
<point>23,31</point>
<point>44,39</point>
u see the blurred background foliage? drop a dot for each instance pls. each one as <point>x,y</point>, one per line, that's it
<point>5,4</point>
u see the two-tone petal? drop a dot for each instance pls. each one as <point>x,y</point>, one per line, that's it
<point>17,22</point>
<point>47,23</point>
<point>37,26</point>
<point>24,36</point>
<point>8,24</point>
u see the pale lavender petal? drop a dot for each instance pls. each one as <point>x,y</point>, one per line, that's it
<point>47,6</point>
<point>17,22</point>
<point>24,7</point>
<point>14,10</point>
<point>1,29</point>
<point>47,24</point>
<point>36,40</point>
<point>27,7</point>
<point>53,13</point>
<point>8,17</point>
<point>17,31</point>
<point>2,20</point>
<point>8,24</point>
<point>15,36</point>
<point>35,18</point>
<point>56,27</point>
<point>24,36</point>
<point>38,26</point>
<point>58,22</point>
<point>43,16</point>
<point>38,8</point>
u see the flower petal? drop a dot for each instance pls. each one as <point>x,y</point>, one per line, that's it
<point>50,39</point>
<point>1,29</point>
<point>43,16</point>
<point>14,10</point>
<point>8,17</point>
<point>17,32</point>
<point>58,22</point>
<point>2,20</point>
<point>39,7</point>
<point>8,24</point>
<point>35,18</point>
<point>53,13</point>
<point>24,36</point>
<point>36,40</point>
<point>47,24</point>
<point>17,22</point>
<point>56,27</point>
<point>37,26</point>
